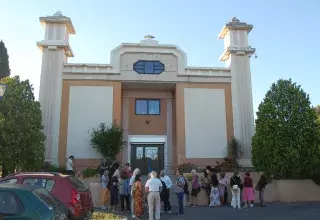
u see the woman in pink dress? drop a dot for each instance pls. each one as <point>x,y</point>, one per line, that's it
<point>248,196</point>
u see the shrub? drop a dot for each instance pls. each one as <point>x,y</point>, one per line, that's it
<point>187,167</point>
<point>107,140</point>
<point>235,152</point>
<point>48,167</point>
<point>287,138</point>
<point>90,172</point>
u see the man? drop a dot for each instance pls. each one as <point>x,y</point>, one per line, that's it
<point>153,188</point>
<point>69,165</point>
<point>166,192</point>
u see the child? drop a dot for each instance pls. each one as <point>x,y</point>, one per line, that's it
<point>114,193</point>
<point>124,191</point>
<point>248,196</point>
<point>214,195</point>
<point>105,189</point>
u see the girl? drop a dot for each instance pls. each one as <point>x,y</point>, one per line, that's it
<point>223,183</point>
<point>114,193</point>
<point>248,196</point>
<point>137,194</point>
<point>214,195</point>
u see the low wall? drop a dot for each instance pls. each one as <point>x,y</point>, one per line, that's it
<point>277,191</point>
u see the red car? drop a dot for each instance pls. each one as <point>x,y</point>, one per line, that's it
<point>69,190</point>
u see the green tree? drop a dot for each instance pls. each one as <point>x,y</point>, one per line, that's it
<point>317,109</point>
<point>107,140</point>
<point>21,136</point>
<point>4,61</point>
<point>287,140</point>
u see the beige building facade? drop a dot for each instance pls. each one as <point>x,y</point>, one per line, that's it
<point>171,113</point>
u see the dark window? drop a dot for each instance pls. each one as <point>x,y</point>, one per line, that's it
<point>77,184</point>
<point>9,181</point>
<point>147,107</point>
<point>39,182</point>
<point>46,197</point>
<point>148,67</point>
<point>10,204</point>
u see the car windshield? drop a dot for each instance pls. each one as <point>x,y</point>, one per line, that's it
<point>46,197</point>
<point>77,184</point>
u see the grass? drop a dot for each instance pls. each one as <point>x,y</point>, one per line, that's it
<point>103,215</point>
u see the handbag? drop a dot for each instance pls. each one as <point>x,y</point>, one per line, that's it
<point>235,187</point>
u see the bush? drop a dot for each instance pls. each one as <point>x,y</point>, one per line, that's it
<point>287,138</point>
<point>187,167</point>
<point>48,167</point>
<point>90,172</point>
<point>107,140</point>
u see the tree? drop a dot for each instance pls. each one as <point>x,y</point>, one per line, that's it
<point>287,140</point>
<point>317,109</point>
<point>4,61</point>
<point>107,140</point>
<point>21,136</point>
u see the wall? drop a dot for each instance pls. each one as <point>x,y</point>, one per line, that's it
<point>194,121</point>
<point>84,105</point>
<point>157,123</point>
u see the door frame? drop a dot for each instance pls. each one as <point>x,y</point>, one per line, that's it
<point>149,139</point>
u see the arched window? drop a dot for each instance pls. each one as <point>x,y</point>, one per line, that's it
<point>148,67</point>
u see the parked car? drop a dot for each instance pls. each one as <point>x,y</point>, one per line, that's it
<point>68,189</point>
<point>28,203</point>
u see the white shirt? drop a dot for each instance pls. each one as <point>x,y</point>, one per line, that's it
<point>154,185</point>
<point>69,165</point>
<point>117,173</point>
<point>167,181</point>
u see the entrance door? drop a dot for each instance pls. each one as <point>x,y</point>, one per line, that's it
<point>147,157</point>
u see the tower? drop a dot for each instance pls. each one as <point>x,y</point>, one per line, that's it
<point>236,55</point>
<point>55,52</point>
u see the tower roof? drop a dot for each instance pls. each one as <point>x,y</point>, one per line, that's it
<point>235,24</point>
<point>58,17</point>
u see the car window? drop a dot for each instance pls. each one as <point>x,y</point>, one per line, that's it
<point>77,184</point>
<point>46,197</point>
<point>9,181</point>
<point>40,182</point>
<point>10,204</point>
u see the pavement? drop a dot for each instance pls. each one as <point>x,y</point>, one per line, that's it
<point>274,211</point>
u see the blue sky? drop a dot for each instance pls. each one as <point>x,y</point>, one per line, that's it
<point>285,34</point>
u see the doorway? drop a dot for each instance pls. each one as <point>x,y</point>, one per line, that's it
<point>147,157</point>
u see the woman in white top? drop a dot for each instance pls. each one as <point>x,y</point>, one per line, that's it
<point>69,165</point>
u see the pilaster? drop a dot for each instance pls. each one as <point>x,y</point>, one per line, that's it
<point>55,51</point>
<point>237,55</point>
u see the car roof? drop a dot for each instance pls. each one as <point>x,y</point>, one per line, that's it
<point>17,186</point>
<point>48,174</point>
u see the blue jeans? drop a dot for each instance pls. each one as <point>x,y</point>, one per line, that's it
<point>180,202</point>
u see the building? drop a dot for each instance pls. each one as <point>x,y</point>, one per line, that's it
<point>169,111</point>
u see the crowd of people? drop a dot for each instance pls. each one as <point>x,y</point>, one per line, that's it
<point>120,183</point>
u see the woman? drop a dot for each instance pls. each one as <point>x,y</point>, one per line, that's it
<point>137,194</point>
<point>214,195</point>
<point>236,186</point>
<point>248,196</point>
<point>131,182</point>
<point>206,183</point>
<point>180,191</point>
<point>263,182</point>
<point>195,188</point>
<point>114,193</point>
<point>223,183</point>
<point>124,191</point>
<point>105,190</point>
<point>102,168</point>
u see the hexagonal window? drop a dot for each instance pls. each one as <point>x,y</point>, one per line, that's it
<point>148,67</point>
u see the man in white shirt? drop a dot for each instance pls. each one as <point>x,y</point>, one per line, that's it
<point>153,188</point>
<point>69,165</point>
<point>166,192</point>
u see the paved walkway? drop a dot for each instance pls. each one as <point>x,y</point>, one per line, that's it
<point>275,211</point>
